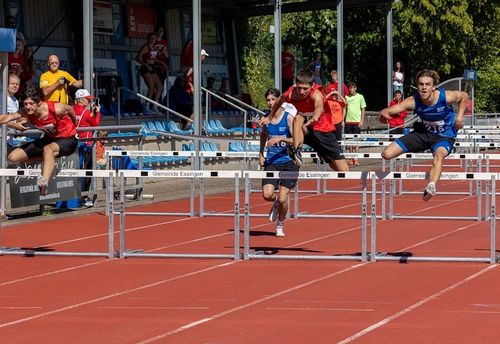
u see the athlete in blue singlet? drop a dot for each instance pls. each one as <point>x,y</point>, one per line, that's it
<point>276,136</point>
<point>438,128</point>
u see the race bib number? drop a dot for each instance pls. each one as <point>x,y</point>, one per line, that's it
<point>434,127</point>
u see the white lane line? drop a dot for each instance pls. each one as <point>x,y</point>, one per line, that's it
<point>249,304</point>
<point>107,297</point>
<point>307,309</point>
<point>416,305</point>
<point>179,308</point>
<point>51,273</point>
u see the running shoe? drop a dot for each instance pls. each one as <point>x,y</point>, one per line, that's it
<point>296,155</point>
<point>42,184</point>
<point>429,191</point>
<point>279,229</point>
<point>273,213</point>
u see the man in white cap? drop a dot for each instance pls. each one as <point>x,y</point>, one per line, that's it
<point>189,73</point>
<point>88,114</point>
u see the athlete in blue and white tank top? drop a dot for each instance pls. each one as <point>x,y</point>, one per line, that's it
<point>278,152</point>
<point>439,126</point>
<point>439,118</point>
<point>276,136</point>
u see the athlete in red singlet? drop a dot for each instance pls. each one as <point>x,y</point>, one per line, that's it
<point>57,121</point>
<point>319,129</point>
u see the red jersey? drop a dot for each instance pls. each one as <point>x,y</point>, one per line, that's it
<point>335,86</point>
<point>85,118</point>
<point>287,61</point>
<point>54,127</point>
<point>325,122</point>
<point>399,119</point>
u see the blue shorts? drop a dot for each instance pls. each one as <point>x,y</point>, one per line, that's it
<point>419,142</point>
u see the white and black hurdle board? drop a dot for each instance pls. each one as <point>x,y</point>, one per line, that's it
<point>71,173</point>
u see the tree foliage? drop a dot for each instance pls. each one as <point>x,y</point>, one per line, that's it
<point>446,35</point>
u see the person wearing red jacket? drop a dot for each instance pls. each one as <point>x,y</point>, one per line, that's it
<point>397,122</point>
<point>88,114</point>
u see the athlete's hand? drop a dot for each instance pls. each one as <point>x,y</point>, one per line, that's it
<point>273,140</point>
<point>264,121</point>
<point>459,123</point>
<point>262,160</point>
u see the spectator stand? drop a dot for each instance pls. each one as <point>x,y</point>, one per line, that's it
<point>244,130</point>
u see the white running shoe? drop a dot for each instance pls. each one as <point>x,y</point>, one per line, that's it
<point>273,213</point>
<point>429,191</point>
<point>279,229</point>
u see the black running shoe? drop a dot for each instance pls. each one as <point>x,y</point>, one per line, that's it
<point>297,157</point>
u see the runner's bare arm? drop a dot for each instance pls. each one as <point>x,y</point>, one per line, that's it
<point>461,98</point>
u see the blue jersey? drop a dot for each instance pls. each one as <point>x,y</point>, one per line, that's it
<point>278,153</point>
<point>438,119</point>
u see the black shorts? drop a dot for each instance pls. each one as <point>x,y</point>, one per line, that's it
<point>35,149</point>
<point>338,131</point>
<point>418,142</point>
<point>397,130</point>
<point>325,144</point>
<point>288,167</point>
<point>351,128</point>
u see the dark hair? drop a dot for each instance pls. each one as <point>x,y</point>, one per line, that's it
<point>352,83</point>
<point>402,68</point>
<point>34,93</point>
<point>397,92</point>
<point>210,81</point>
<point>304,76</point>
<point>428,73</point>
<point>272,91</point>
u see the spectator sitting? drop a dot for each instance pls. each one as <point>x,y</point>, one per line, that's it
<point>12,102</point>
<point>180,100</point>
<point>54,83</point>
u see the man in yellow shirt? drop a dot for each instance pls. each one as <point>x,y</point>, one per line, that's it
<point>54,83</point>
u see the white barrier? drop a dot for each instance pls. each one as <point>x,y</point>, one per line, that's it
<point>107,174</point>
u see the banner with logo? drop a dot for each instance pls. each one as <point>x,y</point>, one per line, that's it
<point>140,21</point>
<point>24,191</point>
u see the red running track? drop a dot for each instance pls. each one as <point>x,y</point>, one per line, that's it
<point>139,300</point>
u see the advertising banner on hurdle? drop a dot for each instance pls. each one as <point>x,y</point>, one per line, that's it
<point>24,191</point>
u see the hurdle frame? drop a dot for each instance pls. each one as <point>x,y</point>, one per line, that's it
<point>493,257</point>
<point>248,175</point>
<point>108,175</point>
<point>193,174</point>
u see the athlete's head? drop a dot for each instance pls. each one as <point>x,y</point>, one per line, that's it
<point>32,99</point>
<point>303,83</point>
<point>272,94</point>
<point>427,79</point>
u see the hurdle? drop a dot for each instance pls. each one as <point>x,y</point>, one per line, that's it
<point>493,257</point>
<point>455,176</point>
<point>33,173</point>
<point>191,174</point>
<point>248,175</point>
